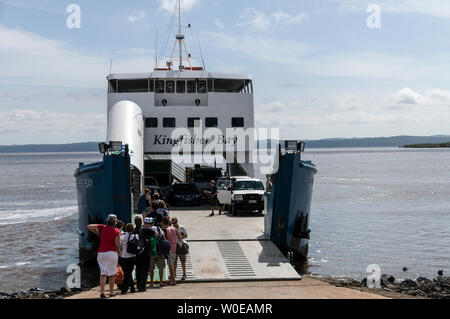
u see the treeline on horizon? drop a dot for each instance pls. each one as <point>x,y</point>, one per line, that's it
<point>395,141</point>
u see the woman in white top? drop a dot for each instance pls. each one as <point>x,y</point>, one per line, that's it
<point>181,236</point>
<point>127,260</point>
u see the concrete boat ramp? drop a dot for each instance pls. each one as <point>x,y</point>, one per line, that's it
<point>230,258</point>
<point>227,248</point>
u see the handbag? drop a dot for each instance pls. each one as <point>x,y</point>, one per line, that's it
<point>134,246</point>
<point>182,248</point>
<point>120,276</point>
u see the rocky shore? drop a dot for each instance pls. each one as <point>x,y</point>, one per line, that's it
<point>437,288</point>
<point>37,293</point>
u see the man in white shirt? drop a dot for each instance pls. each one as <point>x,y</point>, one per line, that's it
<point>127,261</point>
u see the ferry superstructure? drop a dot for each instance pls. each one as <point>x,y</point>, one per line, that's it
<point>145,109</point>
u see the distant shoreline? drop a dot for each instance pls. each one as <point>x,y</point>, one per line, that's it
<point>393,141</point>
<point>440,145</point>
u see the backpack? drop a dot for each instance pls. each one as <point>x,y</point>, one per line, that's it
<point>162,245</point>
<point>134,246</point>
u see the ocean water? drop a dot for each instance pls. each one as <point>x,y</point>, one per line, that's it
<point>382,206</point>
<point>38,219</point>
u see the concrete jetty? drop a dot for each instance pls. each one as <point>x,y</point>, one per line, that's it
<point>230,258</point>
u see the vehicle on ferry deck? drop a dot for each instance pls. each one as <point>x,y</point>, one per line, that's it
<point>152,184</point>
<point>242,194</point>
<point>184,194</point>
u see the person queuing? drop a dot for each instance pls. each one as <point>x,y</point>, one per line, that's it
<point>107,256</point>
<point>144,202</point>
<point>155,258</point>
<point>181,236</point>
<point>171,236</point>
<point>127,260</point>
<point>154,214</point>
<point>119,226</point>
<point>143,259</point>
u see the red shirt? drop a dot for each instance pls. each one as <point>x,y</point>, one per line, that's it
<point>108,236</point>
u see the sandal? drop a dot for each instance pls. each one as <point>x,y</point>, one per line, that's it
<point>103,296</point>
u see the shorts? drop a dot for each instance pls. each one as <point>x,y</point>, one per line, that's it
<point>182,258</point>
<point>160,261</point>
<point>172,258</point>
<point>107,263</point>
<point>214,201</point>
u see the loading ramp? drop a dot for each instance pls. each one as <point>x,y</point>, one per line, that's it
<point>229,248</point>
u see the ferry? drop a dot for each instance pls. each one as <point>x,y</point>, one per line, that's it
<point>145,113</point>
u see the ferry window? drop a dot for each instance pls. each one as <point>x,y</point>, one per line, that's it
<point>201,87</point>
<point>191,87</point>
<point>228,86</point>
<point>193,122</point>
<point>210,85</point>
<point>159,86</point>
<point>248,87</point>
<point>152,86</point>
<point>237,122</point>
<point>112,86</point>
<point>132,86</point>
<point>169,122</point>
<point>151,122</point>
<point>181,86</point>
<point>211,122</point>
<point>170,87</point>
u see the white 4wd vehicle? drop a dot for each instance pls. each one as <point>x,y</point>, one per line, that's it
<point>242,194</point>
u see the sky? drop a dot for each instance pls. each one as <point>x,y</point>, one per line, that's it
<point>321,69</point>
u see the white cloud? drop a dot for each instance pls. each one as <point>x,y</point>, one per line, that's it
<point>136,16</point>
<point>261,48</point>
<point>219,23</point>
<point>310,59</point>
<point>32,124</point>
<point>27,58</point>
<point>436,8</point>
<point>427,112</point>
<point>432,97</point>
<point>261,21</point>
<point>169,5</point>
<point>286,18</point>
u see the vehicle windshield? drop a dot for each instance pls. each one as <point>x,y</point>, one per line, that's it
<point>185,188</point>
<point>248,185</point>
<point>206,176</point>
<point>163,179</point>
<point>150,181</point>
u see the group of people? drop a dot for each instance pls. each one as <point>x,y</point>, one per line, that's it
<point>161,237</point>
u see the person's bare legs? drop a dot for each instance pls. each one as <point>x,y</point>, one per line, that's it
<point>172,275</point>
<point>175,266</point>
<point>102,285</point>
<point>183,266</point>
<point>161,274</point>
<point>152,274</point>
<point>112,282</point>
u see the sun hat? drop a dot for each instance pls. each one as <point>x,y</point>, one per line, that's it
<point>111,217</point>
